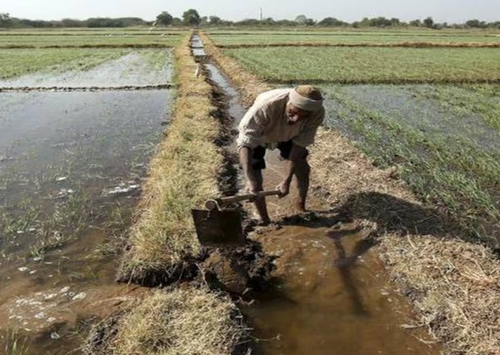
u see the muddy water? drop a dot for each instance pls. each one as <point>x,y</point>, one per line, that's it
<point>331,294</point>
<point>71,167</point>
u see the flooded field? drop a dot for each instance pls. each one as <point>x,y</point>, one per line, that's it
<point>444,140</point>
<point>71,167</point>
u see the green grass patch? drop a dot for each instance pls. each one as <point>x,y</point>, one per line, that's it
<point>16,62</point>
<point>447,153</point>
<point>370,65</point>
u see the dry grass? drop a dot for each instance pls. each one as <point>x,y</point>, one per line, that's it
<point>173,322</point>
<point>370,44</point>
<point>182,175</point>
<point>137,45</point>
<point>191,321</point>
<point>453,285</point>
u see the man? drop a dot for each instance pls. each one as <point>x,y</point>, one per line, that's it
<point>286,119</point>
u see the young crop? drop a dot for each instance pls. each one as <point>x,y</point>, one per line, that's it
<point>371,65</point>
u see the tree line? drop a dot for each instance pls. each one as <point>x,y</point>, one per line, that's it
<point>192,18</point>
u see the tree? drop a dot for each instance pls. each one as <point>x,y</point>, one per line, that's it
<point>5,20</point>
<point>331,22</point>
<point>164,19</point>
<point>476,24</point>
<point>214,20</point>
<point>301,19</point>
<point>428,22</point>
<point>191,17</point>
<point>395,21</point>
<point>415,23</point>
<point>68,22</point>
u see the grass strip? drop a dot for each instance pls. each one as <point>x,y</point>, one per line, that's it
<point>368,44</point>
<point>438,272</point>
<point>174,321</point>
<point>69,46</point>
<point>182,175</point>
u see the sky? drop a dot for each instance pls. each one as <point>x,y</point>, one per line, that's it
<point>451,11</point>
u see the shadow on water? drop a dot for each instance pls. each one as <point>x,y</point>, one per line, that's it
<point>392,214</point>
<point>396,215</point>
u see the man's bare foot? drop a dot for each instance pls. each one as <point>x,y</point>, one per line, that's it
<point>299,207</point>
<point>264,222</point>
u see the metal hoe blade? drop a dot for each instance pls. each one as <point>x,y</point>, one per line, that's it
<point>219,227</point>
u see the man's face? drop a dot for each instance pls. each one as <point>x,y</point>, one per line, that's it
<point>295,114</point>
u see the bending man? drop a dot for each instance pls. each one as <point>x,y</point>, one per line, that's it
<point>286,119</point>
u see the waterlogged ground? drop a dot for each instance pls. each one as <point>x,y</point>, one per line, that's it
<point>71,168</point>
<point>444,139</point>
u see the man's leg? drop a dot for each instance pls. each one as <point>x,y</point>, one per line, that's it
<point>258,163</point>
<point>302,172</point>
<point>260,202</point>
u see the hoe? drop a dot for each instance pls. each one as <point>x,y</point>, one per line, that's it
<point>220,223</point>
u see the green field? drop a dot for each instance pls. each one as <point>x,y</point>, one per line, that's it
<point>16,62</point>
<point>109,38</point>
<point>370,65</point>
<point>289,37</point>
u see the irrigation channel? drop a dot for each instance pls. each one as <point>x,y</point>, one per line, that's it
<point>330,292</point>
<point>71,167</point>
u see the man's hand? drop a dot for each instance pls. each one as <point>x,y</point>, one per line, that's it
<point>252,188</point>
<point>283,188</point>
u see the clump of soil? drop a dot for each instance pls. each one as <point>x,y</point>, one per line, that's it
<point>239,270</point>
<point>229,269</point>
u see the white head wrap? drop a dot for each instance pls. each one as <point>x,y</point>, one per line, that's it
<point>304,103</point>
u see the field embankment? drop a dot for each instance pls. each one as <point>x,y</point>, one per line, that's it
<point>451,283</point>
<point>163,248</point>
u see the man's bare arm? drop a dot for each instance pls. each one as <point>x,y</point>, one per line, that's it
<point>245,156</point>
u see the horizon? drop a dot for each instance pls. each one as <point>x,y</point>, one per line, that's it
<point>441,11</point>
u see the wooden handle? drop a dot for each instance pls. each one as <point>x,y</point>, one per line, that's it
<point>238,198</point>
<point>218,202</point>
